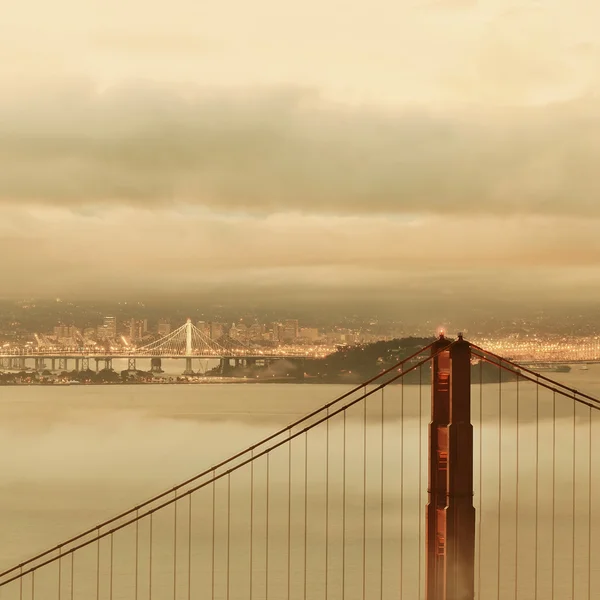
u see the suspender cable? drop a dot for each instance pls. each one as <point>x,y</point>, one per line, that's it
<point>267,534</point>
<point>499,477</point>
<point>553,484</point>
<point>137,554</point>
<point>344,508</point>
<point>480,478</point>
<point>212,560</point>
<point>537,487</point>
<point>305,512</point>
<point>59,572</point>
<point>517,499</point>
<point>401,488</point>
<point>420,568</point>
<point>364,523</point>
<point>228,534</point>
<point>289,523</point>
<point>591,416</point>
<point>327,507</point>
<point>150,557</point>
<point>112,541</point>
<point>98,567</point>
<point>175,547</point>
<point>574,498</point>
<point>382,501</point>
<point>251,591</point>
<point>189,594</point>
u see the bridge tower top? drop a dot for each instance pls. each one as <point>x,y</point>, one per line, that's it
<point>188,337</point>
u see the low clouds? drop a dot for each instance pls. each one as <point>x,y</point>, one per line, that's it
<point>282,257</point>
<point>289,150</point>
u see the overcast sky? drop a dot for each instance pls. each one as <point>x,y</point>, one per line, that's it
<point>358,146</point>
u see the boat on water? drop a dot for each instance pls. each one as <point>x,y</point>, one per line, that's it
<point>584,368</point>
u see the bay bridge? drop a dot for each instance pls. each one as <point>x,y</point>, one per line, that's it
<point>186,342</point>
<point>478,479</point>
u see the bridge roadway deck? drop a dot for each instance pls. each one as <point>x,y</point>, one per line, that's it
<point>121,355</point>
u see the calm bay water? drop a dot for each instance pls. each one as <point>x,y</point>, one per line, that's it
<point>71,457</point>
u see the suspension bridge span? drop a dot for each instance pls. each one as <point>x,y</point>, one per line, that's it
<point>454,475</point>
<point>186,342</point>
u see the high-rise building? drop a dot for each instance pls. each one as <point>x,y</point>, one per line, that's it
<point>310,334</point>
<point>255,331</point>
<point>110,324</point>
<point>278,330</point>
<point>89,333</point>
<point>108,329</point>
<point>238,332</point>
<point>65,334</point>
<point>290,330</point>
<point>216,330</point>
<point>204,328</point>
<point>137,329</point>
<point>164,327</point>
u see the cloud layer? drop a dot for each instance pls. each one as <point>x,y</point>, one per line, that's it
<point>289,258</point>
<point>330,146</point>
<point>288,150</point>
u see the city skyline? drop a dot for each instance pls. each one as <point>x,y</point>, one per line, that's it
<point>175,152</point>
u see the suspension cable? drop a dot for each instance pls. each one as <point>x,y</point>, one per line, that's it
<point>231,459</point>
<point>237,466</point>
<point>534,377</point>
<point>483,353</point>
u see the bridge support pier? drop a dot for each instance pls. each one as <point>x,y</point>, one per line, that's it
<point>39,363</point>
<point>85,364</point>
<point>188,366</point>
<point>450,527</point>
<point>108,364</point>
<point>131,364</point>
<point>156,365</point>
<point>62,364</point>
<point>300,368</point>
<point>225,367</point>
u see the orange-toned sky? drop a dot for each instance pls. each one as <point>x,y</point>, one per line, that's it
<point>324,144</point>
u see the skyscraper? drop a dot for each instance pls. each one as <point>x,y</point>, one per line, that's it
<point>108,329</point>
<point>164,327</point>
<point>137,329</point>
